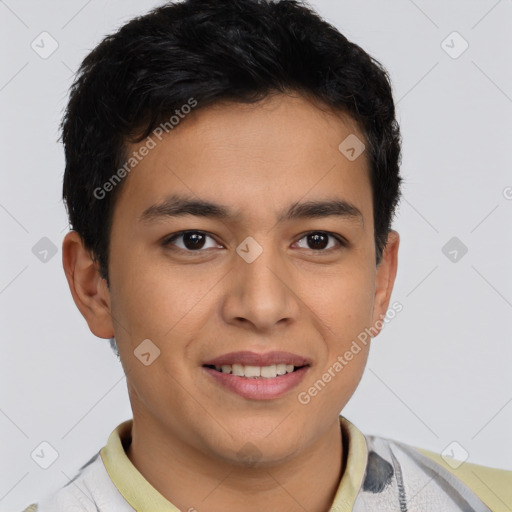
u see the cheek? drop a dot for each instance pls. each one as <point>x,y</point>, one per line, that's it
<point>153,298</point>
<point>167,306</point>
<point>344,304</point>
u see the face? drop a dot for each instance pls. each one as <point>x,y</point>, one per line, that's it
<point>264,276</point>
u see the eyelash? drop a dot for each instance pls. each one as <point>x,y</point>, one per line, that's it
<point>171,238</point>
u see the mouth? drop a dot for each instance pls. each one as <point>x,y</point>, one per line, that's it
<point>258,376</point>
<point>256,372</point>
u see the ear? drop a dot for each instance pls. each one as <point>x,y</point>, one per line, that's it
<point>385,278</point>
<point>89,290</point>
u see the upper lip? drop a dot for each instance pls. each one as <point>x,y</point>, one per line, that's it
<point>248,358</point>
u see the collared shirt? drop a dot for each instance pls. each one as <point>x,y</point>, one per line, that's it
<point>381,475</point>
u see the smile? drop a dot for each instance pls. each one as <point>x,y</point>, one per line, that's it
<point>256,372</point>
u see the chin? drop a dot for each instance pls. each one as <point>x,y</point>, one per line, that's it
<point>253,450</point>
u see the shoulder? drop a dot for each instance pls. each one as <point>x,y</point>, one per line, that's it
<point>422,480</point>
<point>89,491</point>
<point>492,485</point>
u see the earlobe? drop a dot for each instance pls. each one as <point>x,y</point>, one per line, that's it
<point>385,276</point>
<point>88,289</point>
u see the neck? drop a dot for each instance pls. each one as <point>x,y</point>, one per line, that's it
<point>191,480</point>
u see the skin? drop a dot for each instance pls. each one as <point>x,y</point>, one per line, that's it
<point>187,430</point>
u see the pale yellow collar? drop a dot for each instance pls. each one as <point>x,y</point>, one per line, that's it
<point>135,489</point>
<point>352,478</point>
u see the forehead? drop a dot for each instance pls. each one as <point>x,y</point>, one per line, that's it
<point>251,156</point>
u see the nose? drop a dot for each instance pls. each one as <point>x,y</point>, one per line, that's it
<point>261,294</point>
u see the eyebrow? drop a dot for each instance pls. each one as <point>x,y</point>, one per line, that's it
<point>178,206</point>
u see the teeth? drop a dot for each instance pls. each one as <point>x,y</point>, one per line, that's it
<point>237,369</point>
<point>281,369</point>
<point>252,372</point>
<point>269,372</point>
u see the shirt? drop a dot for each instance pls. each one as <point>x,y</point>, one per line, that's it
<point>381,475</point>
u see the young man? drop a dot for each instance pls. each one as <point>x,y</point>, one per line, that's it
<point>232,171</point>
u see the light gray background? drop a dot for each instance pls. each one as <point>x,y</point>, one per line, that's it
<point>440,371</point>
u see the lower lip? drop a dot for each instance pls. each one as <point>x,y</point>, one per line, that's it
<point>259,388</point>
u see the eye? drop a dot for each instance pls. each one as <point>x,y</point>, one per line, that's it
<point>319,241</point>
<point>190,240</point>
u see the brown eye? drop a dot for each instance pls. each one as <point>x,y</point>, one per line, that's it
<point>319,241</point>
<point>190,240</point>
